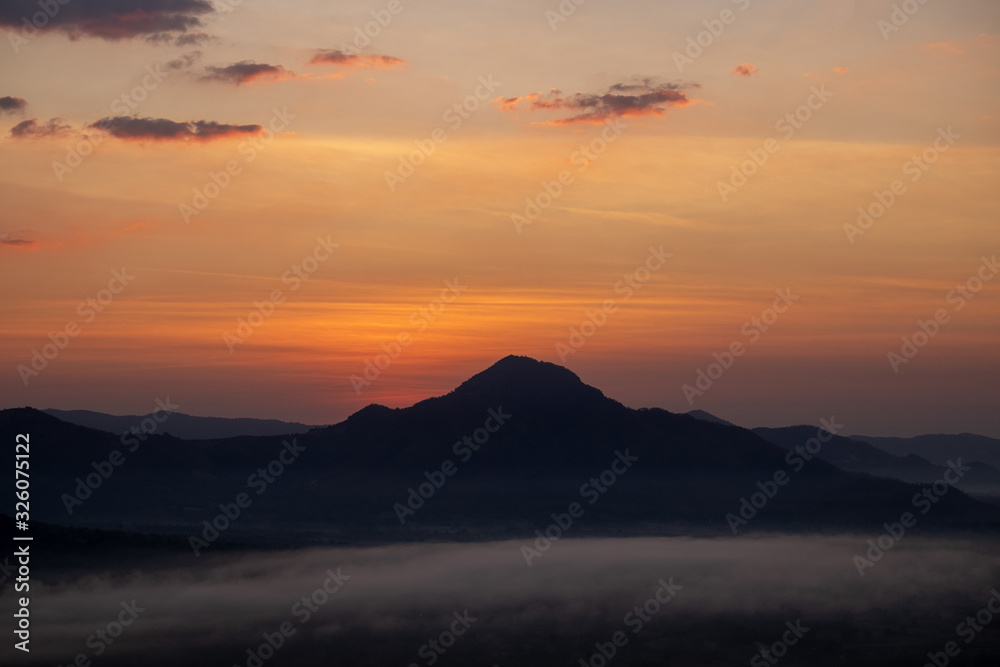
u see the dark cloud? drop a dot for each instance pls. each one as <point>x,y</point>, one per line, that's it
<point>31,129</point>
<point>247,71</point>
<point>16,242</point>
<point>12,105</point>
<point>745,69</point>
<point>184,62</point>
<point>639,98</point>
<point>131,128</point>
<point>183,39</point>
<point>107,19</point>
<point>342,59</point>
<point>193,39</point>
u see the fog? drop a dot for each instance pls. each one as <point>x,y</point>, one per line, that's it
<point>393,599</point>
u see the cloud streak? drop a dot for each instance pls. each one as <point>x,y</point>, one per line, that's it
<point>643,98</point>
<point>342,59</point>
<point>130,128</point>
<point>32,129</point>
<point>247,71</point>
<point>746,69</point>
<point>15,242</point>
<point>109,19</point>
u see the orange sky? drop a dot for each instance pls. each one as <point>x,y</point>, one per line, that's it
<point>879,97</point>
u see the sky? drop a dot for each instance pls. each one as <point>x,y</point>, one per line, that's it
<point>294,209</point>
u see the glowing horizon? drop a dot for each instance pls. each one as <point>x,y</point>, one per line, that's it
<point>538,177</point>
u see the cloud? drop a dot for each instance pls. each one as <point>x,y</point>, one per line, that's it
<point>4,240</point>
<point>840,70</point>
<point>247,71</point>
<point>30,129</point>
<point>12,105</point>
<point>22,239</point>
<point>342,59</point>
<point>184,62</point>
<point>641,98</point>
<point>184,39</point>
<point>108,19</point>
<point>745,69</point>
<point>193,39</point>
<point>131,128</point>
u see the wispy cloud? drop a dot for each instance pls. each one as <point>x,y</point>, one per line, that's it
<point>32,129</point>
<point>111,19</point>
<point>161,129</point>
<point>641,98</point>
<point>4,240</point>
<point>247,71</point>
<point>342,59</point>
<point>746,69</point>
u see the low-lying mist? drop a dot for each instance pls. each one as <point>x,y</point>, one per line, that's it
<point>717,601</point>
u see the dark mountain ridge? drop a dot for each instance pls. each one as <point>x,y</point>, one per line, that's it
<point>541,436</point>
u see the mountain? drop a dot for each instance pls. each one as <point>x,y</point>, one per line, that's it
<point>708,417</point>
<point>939,448</point>
<point>186,427</point>
<point>495,458</point>
<point>855,455</point>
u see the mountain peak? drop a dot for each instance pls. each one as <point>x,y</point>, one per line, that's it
<point>528,380</point>
<point>518,369</point>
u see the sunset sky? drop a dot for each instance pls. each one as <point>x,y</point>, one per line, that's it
<point>117,116</point>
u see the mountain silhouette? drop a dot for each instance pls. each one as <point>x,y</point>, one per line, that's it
<point>181,425</point>
<point>856,455</point>
<point>522,440</point>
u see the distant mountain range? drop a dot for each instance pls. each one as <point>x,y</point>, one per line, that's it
<point>920,460</point>
<point>495,458</point>
<point>939,448</point>
<point>180,425</point>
